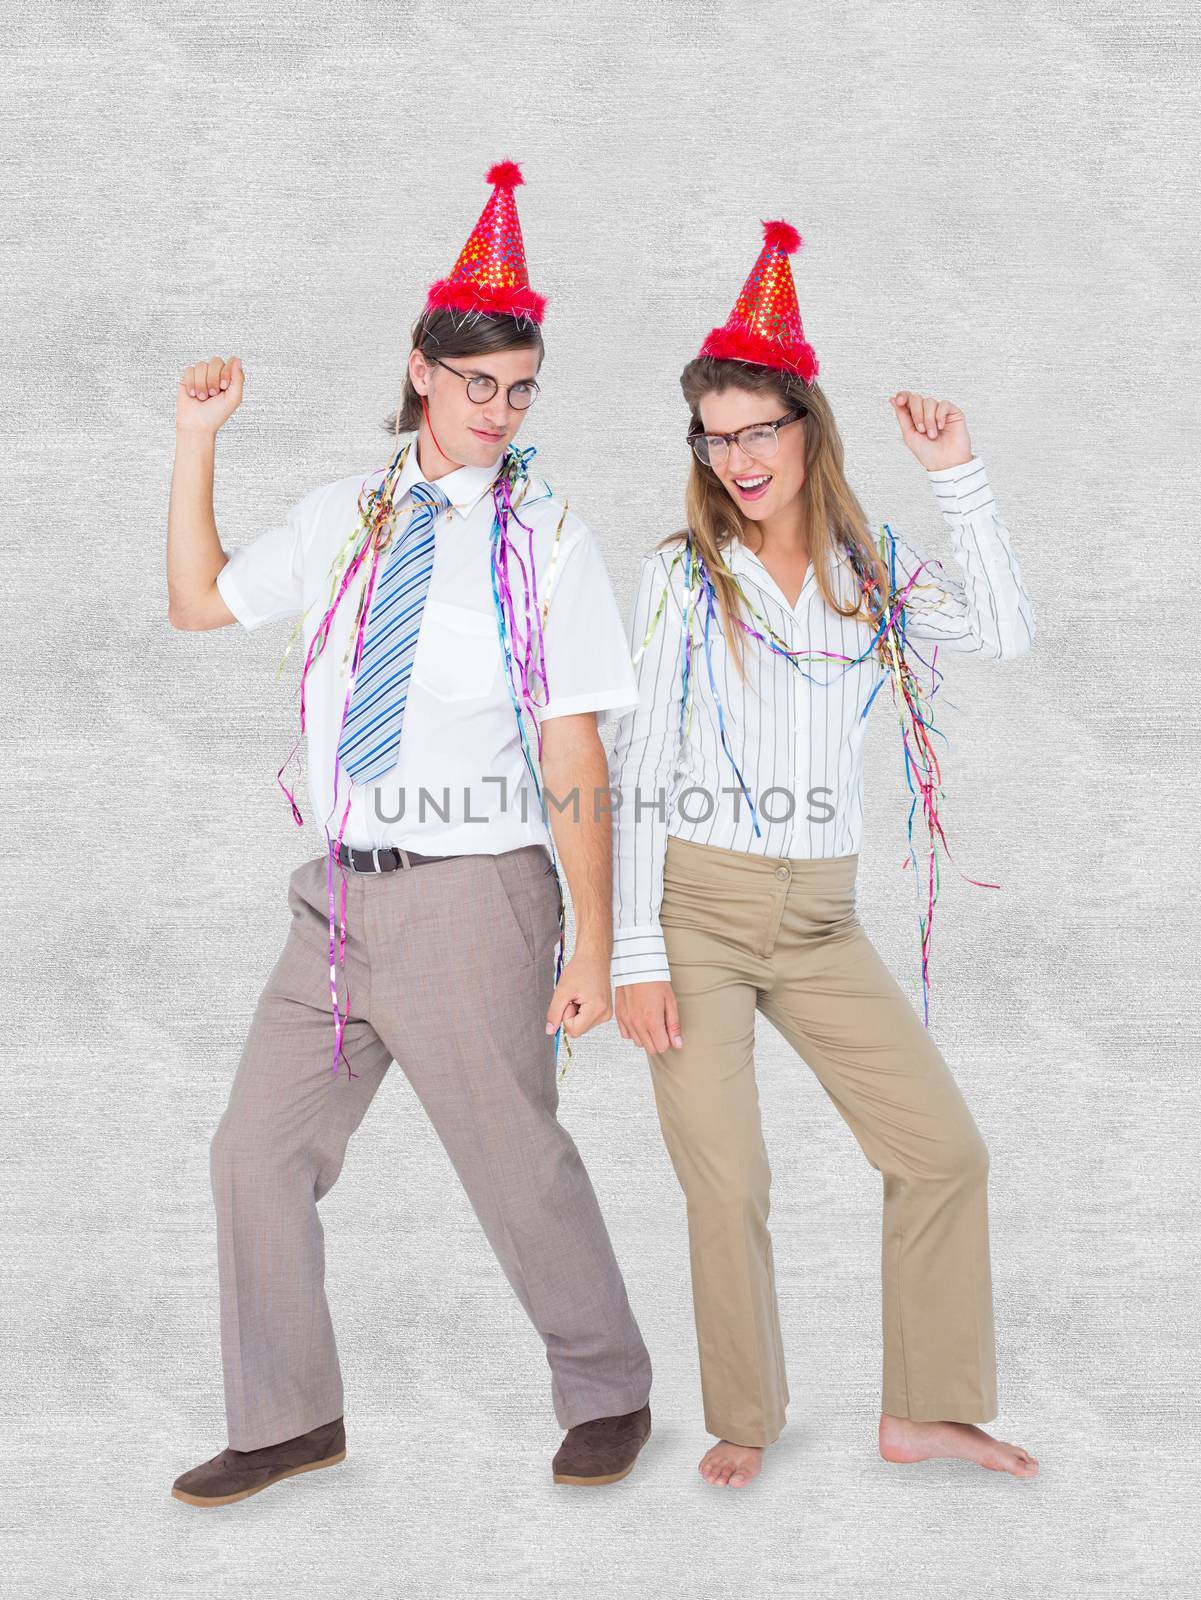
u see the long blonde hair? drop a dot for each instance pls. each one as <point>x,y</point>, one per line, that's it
<point>834,519</point>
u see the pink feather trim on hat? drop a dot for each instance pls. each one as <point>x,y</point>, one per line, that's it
<point>782,236</point>
<point>502,300</point>
<point>742,344</point>
<point>505,173</point>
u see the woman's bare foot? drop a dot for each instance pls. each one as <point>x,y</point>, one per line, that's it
<point>732,1465</point>
<point>903,1439</point>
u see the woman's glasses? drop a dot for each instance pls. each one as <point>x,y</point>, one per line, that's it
<point>760,440</point>
<point>481,387</point>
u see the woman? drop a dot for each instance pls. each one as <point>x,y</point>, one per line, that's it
<point>761,634</point>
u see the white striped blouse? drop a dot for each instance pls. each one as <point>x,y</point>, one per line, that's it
<point>798,744</point>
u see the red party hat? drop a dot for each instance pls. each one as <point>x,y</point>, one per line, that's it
<point>765,324</point>
<point>490,274</point>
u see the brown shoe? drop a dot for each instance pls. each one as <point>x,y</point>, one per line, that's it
<point>602,1450</point>
<point>236,1474</point>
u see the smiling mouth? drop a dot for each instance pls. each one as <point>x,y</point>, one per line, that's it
<point>751,488</point>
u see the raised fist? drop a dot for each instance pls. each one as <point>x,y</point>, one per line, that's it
<point>208,395</point>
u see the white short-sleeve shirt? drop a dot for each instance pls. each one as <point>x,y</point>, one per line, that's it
<point>460,742</point>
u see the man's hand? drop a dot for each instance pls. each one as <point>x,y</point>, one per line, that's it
<point>209,393</point>
<point>648,1015</point>
<point>582,996</point>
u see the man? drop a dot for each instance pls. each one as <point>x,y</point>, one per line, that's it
<point>433,914</point>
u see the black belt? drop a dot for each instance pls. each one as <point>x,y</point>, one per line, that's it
<point>384,858</point>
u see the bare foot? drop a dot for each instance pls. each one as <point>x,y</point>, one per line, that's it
<point>902,1439</point>
<point>732,1465</point>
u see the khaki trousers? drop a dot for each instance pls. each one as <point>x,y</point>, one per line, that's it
<point>747,932</point>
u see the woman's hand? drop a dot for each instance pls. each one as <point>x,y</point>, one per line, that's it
<point>647,1014</point>
<point>934,430</point>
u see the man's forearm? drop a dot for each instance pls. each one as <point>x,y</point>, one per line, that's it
<point>583,837</point>
<point>194,552</point>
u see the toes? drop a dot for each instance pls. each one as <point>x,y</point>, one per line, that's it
<point>725,1473</point>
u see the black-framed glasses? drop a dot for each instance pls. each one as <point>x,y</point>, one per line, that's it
<point>481,386</point>
<point>759,440</point>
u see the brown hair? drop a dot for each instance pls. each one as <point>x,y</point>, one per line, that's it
<point>440,331</point>
<point>833,516</point>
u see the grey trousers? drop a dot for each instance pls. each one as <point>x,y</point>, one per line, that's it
<point>449,968</point>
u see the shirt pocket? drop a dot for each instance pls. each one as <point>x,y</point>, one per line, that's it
<point>458,652</point>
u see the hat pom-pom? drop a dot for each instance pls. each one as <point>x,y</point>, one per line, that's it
<point>781,236</point>
<point>505,173</point>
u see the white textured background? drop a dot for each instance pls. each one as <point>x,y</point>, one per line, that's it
<point>999,208</point>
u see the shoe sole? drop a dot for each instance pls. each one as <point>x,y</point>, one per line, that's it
<point>244,1494</point>
<point>608,1477</point>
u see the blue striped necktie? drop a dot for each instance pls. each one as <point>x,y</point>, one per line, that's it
<point>370,742</point>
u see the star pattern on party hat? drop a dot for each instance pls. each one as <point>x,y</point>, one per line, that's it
<point>490,273</point>
<point>764,327</point>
